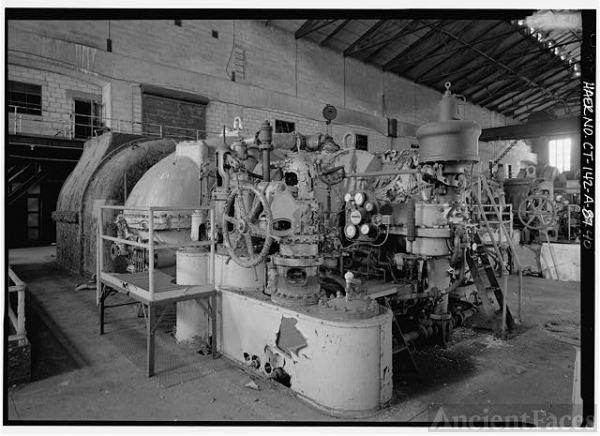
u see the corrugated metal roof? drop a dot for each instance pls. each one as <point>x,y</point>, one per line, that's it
<point>501,64</point>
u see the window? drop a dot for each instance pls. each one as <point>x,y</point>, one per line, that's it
<point>27,98</point>
<point>88,117</point>
<point>284,126</point>
<point>560,154</point>
<point>362,142</point>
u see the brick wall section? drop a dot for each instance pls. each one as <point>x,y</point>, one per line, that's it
<point>57,95</point>
<point>279,69</point>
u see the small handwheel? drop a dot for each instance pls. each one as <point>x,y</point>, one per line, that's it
<point>242,224</point>
<point>537,212</point>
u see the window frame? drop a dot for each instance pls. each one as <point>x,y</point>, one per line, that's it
<point>565,143</point>
<point>30,90</point>
<point>278,124</point>
<point>358,139</point>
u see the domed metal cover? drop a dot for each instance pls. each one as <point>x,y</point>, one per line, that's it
<point>449,141</point>
<point>171,182</point>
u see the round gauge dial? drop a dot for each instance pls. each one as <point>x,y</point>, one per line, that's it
<point>365,229</point>
<point>350,231</point>
<point>329,113</point>
<point>356,217</point>
<point>347,197</point>
<point>369,206</point>
<point>359,198</point>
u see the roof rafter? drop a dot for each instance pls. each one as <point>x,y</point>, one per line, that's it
<point>310,26</point>
<point>395,60</point>
<point>335,32</point>
<point>449,55</point>
<point>365,37</point>
<point>405,30</point>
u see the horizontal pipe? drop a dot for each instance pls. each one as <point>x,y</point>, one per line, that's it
<point>158,247</point>
<point>156,208</point>
<point>382,173</point>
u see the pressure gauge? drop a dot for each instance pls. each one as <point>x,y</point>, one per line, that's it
<point>369,206</point>
<point>365,229</point>
<point>350,231</point>
<point>359,198</point>
<point>347,197</point>
<point>356,217</point>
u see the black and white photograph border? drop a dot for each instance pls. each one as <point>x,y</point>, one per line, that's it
<point>360,219</point>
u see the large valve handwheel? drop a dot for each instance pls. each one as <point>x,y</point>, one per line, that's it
<point>241,224</point>
<point>537,212</point>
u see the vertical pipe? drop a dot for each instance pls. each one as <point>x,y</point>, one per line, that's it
<point>266,165</point>
<point>212,245</point>
<point>15,121</point>
<point>99,259</point>
<point>504,296</point>
<point>151,253</point>
<point>411,224</point>
<point>520,290</point>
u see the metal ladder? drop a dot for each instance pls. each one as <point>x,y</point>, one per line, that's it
<point>491,294</point>
<point>402,346</point>
<point>502,292</point>
<point>504,153</point>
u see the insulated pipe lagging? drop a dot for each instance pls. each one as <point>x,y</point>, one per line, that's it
<point>411,224</point>
<point>266,162</point>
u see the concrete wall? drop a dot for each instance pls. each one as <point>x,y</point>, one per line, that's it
<point>277,76</point>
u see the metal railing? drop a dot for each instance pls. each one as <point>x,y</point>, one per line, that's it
<point>151,246</point>
<point>18,320</point>
<point>67,128</point>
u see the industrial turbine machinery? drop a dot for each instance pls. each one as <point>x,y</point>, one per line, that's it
<point>310,240</point>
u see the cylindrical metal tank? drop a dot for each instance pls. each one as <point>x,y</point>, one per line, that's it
<point>192,269</point>
<point>449,141</point>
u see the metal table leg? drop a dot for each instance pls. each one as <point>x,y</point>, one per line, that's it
<point>213,318</point>
<point>150,338</point>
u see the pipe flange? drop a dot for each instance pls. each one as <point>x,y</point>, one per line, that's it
<point>440,316</point>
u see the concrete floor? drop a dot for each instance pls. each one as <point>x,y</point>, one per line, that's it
<point>530,372</point>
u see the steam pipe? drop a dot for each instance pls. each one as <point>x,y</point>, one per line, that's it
<point>411,224</point>
<point>383,173</point>
<point>461,276</point>
<point>265,136</point>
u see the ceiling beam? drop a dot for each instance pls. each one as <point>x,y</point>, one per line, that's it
<point>539,108</point>
<point>413,64</point>
<point>335,32</point>
<point>490,73</point>
<point>500,102</point>
<point>365,37</point>
<point>310,26</point>
<point>531,107</point>
<point>494,75</point>
<point>404,30</point>
<point>449,55</point>
<point>381,44</point>
<point>527,98</point>
<point>500,99</point>
<point>393,63</point>
<point>532,130</point>
<point>497,54</point>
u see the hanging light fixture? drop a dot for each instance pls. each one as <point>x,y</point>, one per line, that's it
<point>576,70</point>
